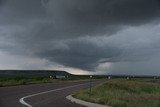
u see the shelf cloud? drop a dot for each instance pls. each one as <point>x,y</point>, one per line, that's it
<point>108,36</point>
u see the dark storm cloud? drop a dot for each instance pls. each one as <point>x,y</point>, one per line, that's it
<point>96,17</point>
<point>100,12</point>
<point>81,54</point>
<point>72,18</point>
<point>20,12</point>
<point>23,8</point>
<point>53,29</point>
<point>1,2</point>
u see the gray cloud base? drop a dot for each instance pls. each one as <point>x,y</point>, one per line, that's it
<point>72,32</point>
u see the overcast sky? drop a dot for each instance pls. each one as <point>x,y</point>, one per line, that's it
<point>81,36</point>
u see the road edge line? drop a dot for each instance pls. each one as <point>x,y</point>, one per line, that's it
<point>21,100</point>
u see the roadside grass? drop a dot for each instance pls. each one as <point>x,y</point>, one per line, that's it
<point>124,93</point>
<point>23,80</point>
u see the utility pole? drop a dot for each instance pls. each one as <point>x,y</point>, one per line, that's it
<point>90,89</point>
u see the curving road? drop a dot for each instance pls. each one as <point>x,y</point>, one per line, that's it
<point>42,95</point>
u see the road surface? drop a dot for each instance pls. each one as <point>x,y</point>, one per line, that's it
<point>42,95</point>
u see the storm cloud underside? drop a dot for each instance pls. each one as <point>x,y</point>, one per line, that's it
<point>106,36</point>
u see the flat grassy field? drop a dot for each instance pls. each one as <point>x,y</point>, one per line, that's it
<point>21,80</point>
<point>24,80</point>
<point>124,93</point>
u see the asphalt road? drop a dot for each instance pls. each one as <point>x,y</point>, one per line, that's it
<point>42,95</point>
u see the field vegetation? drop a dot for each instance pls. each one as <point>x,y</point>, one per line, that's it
<point>22,80</point>
<point>25,80</point>
<point>124,93</point>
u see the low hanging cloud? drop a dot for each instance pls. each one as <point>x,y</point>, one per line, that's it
<point>83,34</point>
<point>81,53</point>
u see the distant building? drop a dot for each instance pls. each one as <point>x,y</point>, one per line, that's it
<point>109,77</point>
<point>60,77</point>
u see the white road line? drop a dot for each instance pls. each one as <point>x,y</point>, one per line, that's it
<point>32,95</point>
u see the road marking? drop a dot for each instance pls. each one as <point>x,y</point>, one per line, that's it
<point>21,100</point>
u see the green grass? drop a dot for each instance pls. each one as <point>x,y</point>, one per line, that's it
<point>124,93</point>
<point>24,80</point>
